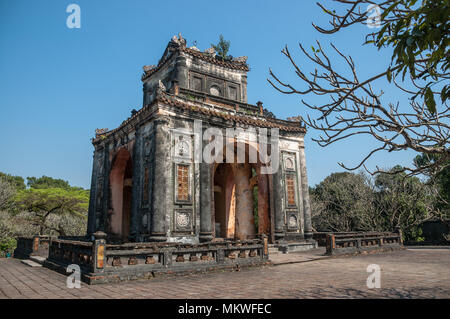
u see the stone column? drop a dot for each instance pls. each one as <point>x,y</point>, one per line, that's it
<point>161,181</point>
<point>305,193</point>
<point>93,195</point>
<point>277,188</point>
<point>205,202</point>
<point>245,221</point>
<point>181,76</point>
<point>135,215</point>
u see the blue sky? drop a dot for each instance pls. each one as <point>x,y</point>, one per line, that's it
<point>57,85</point>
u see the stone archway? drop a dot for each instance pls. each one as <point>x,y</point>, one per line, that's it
<point>241,200</point>
<point>120,179</point>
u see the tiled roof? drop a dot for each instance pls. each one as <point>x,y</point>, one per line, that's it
<point>212,59</point>
<point>239,118</point>
<point>178,102</point>
<point>201,55</point>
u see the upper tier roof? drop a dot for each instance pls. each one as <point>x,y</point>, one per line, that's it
<point>178,44</point>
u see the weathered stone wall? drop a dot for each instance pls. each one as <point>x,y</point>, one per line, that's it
<point>160,209</point>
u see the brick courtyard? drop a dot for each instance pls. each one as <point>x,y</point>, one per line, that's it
<point>412,273</point>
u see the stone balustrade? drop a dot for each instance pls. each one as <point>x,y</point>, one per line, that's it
<point>359,242</point>
<point>32,246</point>
<point>101,262</point>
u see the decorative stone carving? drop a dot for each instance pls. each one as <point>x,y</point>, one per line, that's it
<point>241,59</point>
<point>179,40</point>
<point>100,132</point>
<point>182,219</point>
<point>289,163</point>
<point>148,68</point>
<point>292,223</point>
<point>210,51</point>
<point>214,90</point>
<point>161,87</point>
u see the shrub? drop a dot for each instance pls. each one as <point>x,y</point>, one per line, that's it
<point>7,245</point>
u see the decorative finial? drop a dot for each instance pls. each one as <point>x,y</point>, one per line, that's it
<point>100,132</point>
<point>210,51</point>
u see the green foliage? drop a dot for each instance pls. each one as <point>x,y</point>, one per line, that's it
<point>352,202</point>
<point>222,48</point>
<point>7,192</point>
<point>47,182</point>
<point>345,200</point>
<point>441,177</point>
<point>16,181</point>
<point>43,202</point>
<point>418,33</point>
<point>404,202</point>
<point>7,246</point>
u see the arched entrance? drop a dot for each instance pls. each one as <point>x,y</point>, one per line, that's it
<point>121,189</point>
<point>241,200</point>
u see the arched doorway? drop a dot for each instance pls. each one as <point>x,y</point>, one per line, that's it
<point>241,200</point>
<point>121,189</point>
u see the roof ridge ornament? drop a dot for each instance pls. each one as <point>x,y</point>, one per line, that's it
<point>100,132</point>
<point>179,40</point>
<point>241,59</point>
<point>210,51</point>
<point>148,68</point>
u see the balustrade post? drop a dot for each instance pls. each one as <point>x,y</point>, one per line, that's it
<point>220,257</point>
<point>167,261</point>
<point>98,252</point>
<point>35,245</point>
<point>265,254</point>
<point>331,243</point>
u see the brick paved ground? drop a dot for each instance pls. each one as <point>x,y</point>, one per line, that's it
<point>418,273</point>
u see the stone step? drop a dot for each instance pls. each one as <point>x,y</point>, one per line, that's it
<point>38,259</point>
<point>30,263</point>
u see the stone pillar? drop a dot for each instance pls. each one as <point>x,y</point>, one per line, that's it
<point>305,193</point>
<point>162,169</point>
<point>98,252</point>
<point>205,202</point>
<point>93,195</point>
<point>181,75</point>
<point>135,214</point>
<point>277,188</point>
<point>245,221</point>
<point>244,88</point>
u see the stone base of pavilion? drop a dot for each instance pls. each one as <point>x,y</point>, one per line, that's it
<point>101,262</point>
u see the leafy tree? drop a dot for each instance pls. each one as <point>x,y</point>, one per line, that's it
<point>357,202</point>
<point>343,202</point>
<point>417,34</point>
<point>44,202</point>
<point>222,48</point>
<point>404,202</point>
<point>47,182</point>
<point>16,181</point>
<point>7,192</point>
